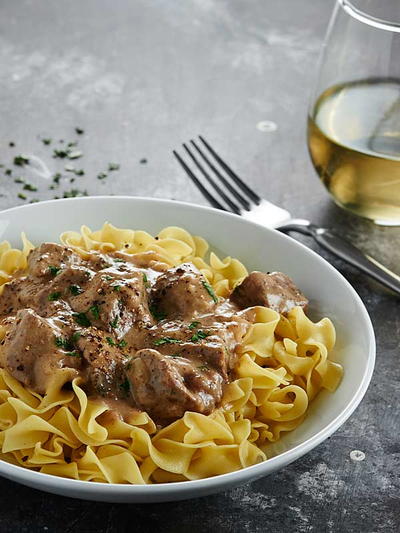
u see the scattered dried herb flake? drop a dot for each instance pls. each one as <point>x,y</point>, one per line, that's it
<point>29,187</point>
<point>21,160</point>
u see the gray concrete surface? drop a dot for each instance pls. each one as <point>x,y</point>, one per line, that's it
<point>140,77</point>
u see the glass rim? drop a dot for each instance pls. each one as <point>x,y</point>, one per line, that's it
<point>365,18</point>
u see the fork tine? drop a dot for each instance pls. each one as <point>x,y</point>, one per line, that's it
<point>235,193</point>
<point>239,182</point>
<point>226,198</point>
<point>198,184</point>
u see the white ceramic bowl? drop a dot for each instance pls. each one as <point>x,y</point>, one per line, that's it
<point>259,248</point>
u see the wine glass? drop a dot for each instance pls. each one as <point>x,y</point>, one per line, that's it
<point>354,117</point>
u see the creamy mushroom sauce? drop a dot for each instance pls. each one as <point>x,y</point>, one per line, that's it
<point>141,335</point>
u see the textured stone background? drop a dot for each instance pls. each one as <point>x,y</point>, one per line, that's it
<point>141,77</point>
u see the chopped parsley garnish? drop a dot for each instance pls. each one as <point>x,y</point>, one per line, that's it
<point>21,160</point>
<point>174,355</point>
<point>68,345</point>
<point>166,340</point>
<point>29,187</point>
<point>79,172</point>
<point>102,175</point>
<point>53,296</point>
<point>119,260</point>
<point>71,144</point>
<point>210,290</point>
<point>157,315</point>
<point>69,168</point>
<point>75,290</point>
<point>109,278</point>
<point>145,277</point>
<point>199,335</point>
<point>76,336</point>
<point>81,319</point>
<point>62,343</point>
<point>194,325</point>
<point>34,200</point>
<point>8,172</point>
<point>114,323</point>
<point>113,166</point>
<point>74,354</point>
<point>116,288</point>
<point>203,368</point>
<point>110,341</point>
<point>19,180</point>
<point>22,196</point>
<point>46,141</point>
<point>54,270</point>
<point>143,161</point>
<point>95,311</point>
<point>122,344</point>
<point>57,177</point>
<point>11,144</point>
<point>79,131</point>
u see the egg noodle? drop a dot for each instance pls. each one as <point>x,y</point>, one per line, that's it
<point>283,364</point>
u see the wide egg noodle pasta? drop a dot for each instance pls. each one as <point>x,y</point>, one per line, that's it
<point>283,364</point>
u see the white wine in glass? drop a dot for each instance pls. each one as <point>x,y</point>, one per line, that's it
<point>354,126</point>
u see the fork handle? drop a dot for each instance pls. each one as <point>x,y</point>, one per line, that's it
<point>348,252</point>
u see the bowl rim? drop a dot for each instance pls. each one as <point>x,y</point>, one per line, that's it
<point>34,478</point>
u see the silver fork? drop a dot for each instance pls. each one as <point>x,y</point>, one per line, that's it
<point>245,202</point>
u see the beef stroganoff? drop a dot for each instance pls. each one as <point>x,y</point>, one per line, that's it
<point>127,358</point>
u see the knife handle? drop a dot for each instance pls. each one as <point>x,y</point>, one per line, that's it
<point>347,252</point>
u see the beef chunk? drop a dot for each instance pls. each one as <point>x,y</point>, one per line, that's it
<point>276,291</point>
<point>48,259</point>
<point>168,386</point>
<point>35,348</point>
<point>16,293</point>
<point>114,304</point>
<point>45,298</point>
<point>181,292</point>
<point>104,363</point>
